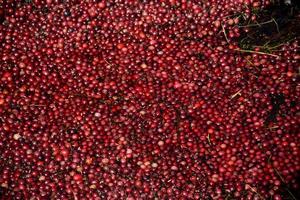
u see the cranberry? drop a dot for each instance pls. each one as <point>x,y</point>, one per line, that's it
<point>144,99</point>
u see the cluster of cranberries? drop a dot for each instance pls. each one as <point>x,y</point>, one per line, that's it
<point>143,100</point>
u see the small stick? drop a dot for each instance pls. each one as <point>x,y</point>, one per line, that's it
<point>273,127</point>
<point>223,29</point>
<point>237,93</point>
<point>258,52</point>
<point>107,62</point>
<point>208,139</point>
<point>284,43</point>
<point>276,46</point>
<point>282,179</point>
<point>261,197</point>
<point>277,27</point>
<point>257,24</point>
<point>249,62</point>
<point>37,105</point>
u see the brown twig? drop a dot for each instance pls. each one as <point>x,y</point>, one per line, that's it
<point>254,190</point>
<point>258,52</point>
<point>224,31</point>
